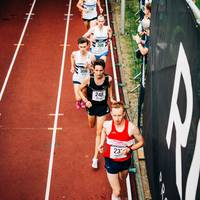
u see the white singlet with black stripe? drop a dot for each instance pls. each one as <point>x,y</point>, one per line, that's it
<point>91,9</point>
<point>80,71</point>
<point>100,43</point>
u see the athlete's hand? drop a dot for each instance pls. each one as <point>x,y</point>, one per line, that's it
<point>125,151</point>
<point>88,65</point>
<point>100,148</point>
<point>83,11</point>
<point>72,70</point>
<point>101,10</point>
<point>88,104</point>
<point>112,100</point>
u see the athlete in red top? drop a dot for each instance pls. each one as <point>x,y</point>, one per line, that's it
<point>120,136</point>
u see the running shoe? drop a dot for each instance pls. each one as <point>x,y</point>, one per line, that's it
<point>82,104</point>
<point>78,106</point>
<point>94,163</point>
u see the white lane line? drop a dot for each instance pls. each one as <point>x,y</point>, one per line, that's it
<point>58,129</point>
<point>67,14</point>
<point>30,13</point>
<point>18,44</point>
<point>48,185</point>
<point>61,45</point>
<point>26,18</point>
<point>59,114</point>
<point>22,128</point>
<point>128,186</point>
<point>16,51</point>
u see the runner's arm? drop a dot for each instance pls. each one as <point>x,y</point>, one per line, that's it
<point>110,94</point>
<point>134,131</point>
<point>90,64</point>
<point>103,138</point>
<point>99,5</point>
<point>105,130</point>
<point>72,63</point>
<point>79,5</point>
<point>81,88</point>
<point>109,32</point>
<point>88,34</point>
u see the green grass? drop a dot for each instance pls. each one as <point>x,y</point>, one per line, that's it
<point>198,3</point>
<point>131,25</point>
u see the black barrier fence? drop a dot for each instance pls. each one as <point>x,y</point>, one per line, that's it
<point>172,103</point>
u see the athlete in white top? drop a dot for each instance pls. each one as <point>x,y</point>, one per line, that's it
<point>88,10</point>
<point>81,65</point>
<point>99,36</point>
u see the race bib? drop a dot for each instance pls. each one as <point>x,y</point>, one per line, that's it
<point>99,95</point>
<point>90,9</point>
<point>83,70</point>
<point>100,44</point>
<point>116,152</point>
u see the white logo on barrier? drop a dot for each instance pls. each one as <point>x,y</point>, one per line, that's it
<point>182,128</point>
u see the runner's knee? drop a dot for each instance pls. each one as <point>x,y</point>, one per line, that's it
<point>116,192</point>
<point>98,132</point>
<point>91,124</point>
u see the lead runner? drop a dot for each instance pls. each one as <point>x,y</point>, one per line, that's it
<point>88,9</point>
<point>120,136</point>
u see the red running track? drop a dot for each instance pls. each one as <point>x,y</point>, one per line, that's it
<point>30,96</point>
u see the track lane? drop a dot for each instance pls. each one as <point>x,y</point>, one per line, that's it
<point>12,14</point>
<point>73,178</point>
<point>30,97</point>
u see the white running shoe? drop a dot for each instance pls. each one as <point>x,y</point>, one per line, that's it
<point>94,163</point>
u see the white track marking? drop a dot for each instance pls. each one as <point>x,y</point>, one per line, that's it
<point>58,129</point>
<point>18,44</point>
<point>59,114</point>
<point>27,18</point>
<point>128,184</point>
<point>65,44</point>
<point>22,128</point>
<point>48,185</point>
<point>112,58</point>
<point>16,51</point>
<point>67,14</point>
<point>30,14</point>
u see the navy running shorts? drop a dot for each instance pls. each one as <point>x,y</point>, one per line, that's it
<point>114,167</point>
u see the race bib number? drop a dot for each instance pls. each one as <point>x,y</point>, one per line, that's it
<point>90,9</point>
<point>99,95</point>
<point>116,152</point>
<point>100,44</point>
<point>83,70</point>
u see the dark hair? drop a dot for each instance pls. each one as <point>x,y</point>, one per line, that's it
<point>148,7</point>
<point>100,62</point>
<point>82,40</point>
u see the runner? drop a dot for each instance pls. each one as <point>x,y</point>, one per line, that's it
<point>99,88</point>
<point>81,61</point>
<point>119,134</point>
<point>99,36</point>
<point>89,11</point>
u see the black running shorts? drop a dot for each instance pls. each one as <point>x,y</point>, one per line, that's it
<point>114,167</point>
<point>98,110</point>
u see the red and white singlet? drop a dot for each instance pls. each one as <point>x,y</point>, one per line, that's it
<point>116,142</point>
